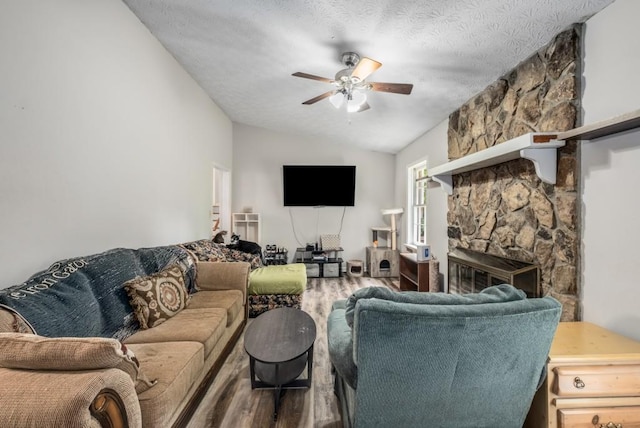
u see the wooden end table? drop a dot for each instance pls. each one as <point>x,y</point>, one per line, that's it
<point>280,343</point>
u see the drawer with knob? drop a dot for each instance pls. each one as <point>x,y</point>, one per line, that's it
<point>597,381</point>
<point>607,417</point>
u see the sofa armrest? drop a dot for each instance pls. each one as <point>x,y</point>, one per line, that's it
<point>68,398</point>
<point>340,342</point>
<point>223,276</point>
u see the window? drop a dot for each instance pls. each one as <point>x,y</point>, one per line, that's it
<point>418,203</point>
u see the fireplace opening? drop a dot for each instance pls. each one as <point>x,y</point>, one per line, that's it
<point>473,271</point>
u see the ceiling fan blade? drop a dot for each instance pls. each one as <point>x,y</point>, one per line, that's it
<point>396,88</point>
<point>319,98</point>
<point>365,67</point>
<point>313,77</point>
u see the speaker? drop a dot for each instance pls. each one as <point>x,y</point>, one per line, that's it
<point>424,253</point>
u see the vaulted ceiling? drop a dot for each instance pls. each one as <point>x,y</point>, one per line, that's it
<point>243,52</point>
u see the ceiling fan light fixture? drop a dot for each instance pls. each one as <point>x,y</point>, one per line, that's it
<point>350,84</point>
<point>355,100</point>
<point>337,99</point>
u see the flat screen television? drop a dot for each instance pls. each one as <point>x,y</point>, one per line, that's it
<point>319,185</point>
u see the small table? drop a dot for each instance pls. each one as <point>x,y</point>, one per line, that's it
<point>280,343</point>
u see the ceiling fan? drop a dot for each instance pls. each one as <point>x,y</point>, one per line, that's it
<point>351,85</point>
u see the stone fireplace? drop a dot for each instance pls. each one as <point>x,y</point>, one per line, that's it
<point>506,210</point>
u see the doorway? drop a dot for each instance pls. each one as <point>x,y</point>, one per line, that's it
<point>221,200</point>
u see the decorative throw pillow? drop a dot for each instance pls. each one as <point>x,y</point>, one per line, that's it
<point>205,250</point>
<point>232,255</point>
<point>158,297</point>
<point>33,352</point>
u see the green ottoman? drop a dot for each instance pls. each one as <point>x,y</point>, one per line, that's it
<point>276,286</point>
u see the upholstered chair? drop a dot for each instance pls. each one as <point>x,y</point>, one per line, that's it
<point>409,359</point>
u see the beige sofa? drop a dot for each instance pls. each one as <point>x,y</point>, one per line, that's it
<point>181,356</point>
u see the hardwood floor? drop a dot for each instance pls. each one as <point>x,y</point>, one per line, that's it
<point>230,402</point>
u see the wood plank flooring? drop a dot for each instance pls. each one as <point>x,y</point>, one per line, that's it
<point>230,402</point>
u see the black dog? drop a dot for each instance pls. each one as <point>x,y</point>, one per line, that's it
<point>244,246</point>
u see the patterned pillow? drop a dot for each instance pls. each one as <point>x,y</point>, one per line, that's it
<point>205,250</point>
<point>232,255</point>
<point>156,298</point>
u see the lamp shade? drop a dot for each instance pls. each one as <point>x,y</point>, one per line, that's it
<point>337,99</point>
<point>354,102</point>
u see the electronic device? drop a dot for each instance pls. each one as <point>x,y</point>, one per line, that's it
<point>319,185</point>
<point>423,252</point>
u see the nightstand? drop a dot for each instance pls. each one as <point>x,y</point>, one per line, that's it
<point>593,380</point>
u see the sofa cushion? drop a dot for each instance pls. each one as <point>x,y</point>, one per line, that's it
<point>177,366</point>
<point>204,326</point>
<point>230,300</point>
<point>494,294</point>
<point>278,279</point>
<point>32,352</point>
<point>156,298</point>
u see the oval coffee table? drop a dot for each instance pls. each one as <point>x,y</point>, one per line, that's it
<point>280,343</point>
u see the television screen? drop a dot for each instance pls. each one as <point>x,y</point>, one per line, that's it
<point>319,185</point>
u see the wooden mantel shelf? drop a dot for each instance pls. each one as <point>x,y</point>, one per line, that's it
<point>538,147</point>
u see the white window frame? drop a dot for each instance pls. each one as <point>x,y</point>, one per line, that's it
<point>417,203</point>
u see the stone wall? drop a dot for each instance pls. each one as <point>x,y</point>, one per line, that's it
<point>506,210</point>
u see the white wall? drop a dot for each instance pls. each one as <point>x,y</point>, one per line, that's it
<point>258,156</point>
<point>105,140</point>
<point>431,147</point>
<point>611,172</point>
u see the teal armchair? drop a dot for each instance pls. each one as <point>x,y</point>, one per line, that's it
<point>408,359</point>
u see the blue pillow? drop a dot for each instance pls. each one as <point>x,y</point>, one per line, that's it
<point>494,294</point>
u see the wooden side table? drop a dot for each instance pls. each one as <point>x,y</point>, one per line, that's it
<point>414,274</point>
<point>593,380</point>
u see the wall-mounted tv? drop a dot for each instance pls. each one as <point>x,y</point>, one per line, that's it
<point>319,185</point>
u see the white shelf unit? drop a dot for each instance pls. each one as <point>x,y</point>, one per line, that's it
<point>246,225</point>
<point>538,147</point>
<point>603,128</point>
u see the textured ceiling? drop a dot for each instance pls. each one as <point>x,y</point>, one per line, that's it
<point>243,53</point>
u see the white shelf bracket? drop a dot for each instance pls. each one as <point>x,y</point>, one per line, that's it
<point>446,182</point>
<point>544,161</point>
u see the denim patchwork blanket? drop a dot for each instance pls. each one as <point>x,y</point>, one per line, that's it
<point>84,296</point>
